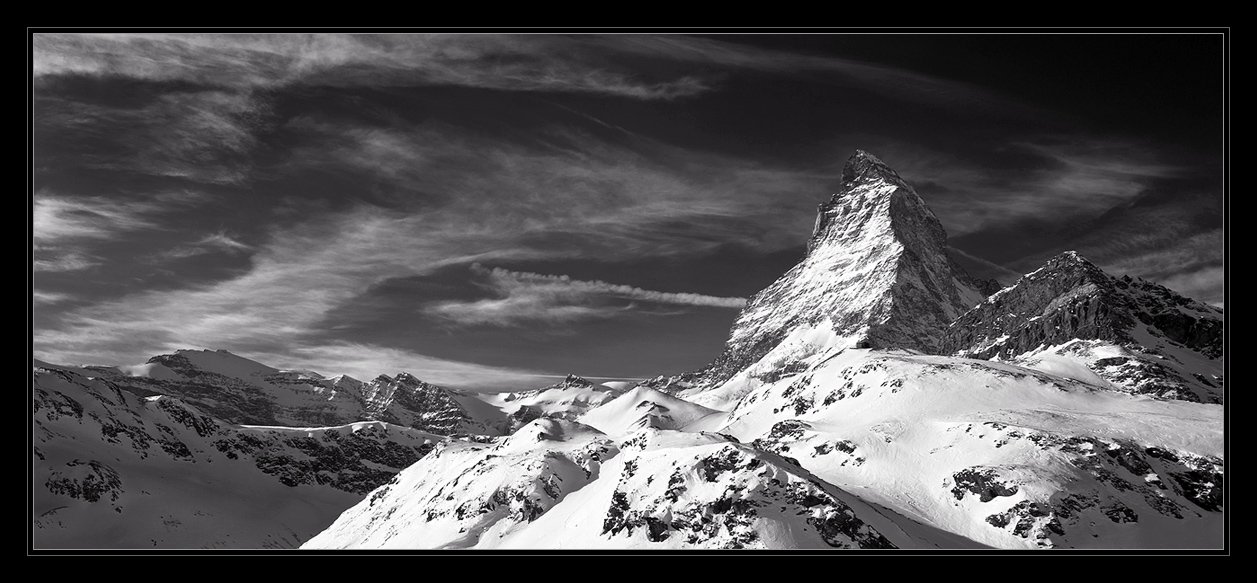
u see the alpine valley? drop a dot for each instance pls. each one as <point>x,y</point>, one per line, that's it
<point>875,396</point>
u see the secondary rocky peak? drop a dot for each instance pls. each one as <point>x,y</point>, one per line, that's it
<point>576,381</point>
<point>1131,332</point>
<point>1069,297</point>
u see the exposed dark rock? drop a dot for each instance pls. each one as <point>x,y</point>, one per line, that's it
<point>984,482</point>
<point>86,480</point>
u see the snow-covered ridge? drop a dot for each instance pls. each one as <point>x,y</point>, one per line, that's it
<point>111,469</point>
<point>243,391</point>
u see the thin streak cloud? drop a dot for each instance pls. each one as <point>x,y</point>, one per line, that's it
<point>506,279</point>
<point>535,297</point>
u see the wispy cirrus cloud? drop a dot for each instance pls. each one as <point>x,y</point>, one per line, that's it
<point>621,199</point>
<point>664,67</point>
<point>505,62</point>
<point>1042,178</point>
<point>57,262</point>
<point>218,242</point>
<point>206,136</point>
<point>65,228</point>
<point>43,297</point>
<point>521,204</point>
<point>535,297</point>
<point>349,170</point>
<point>58,219</point>
<point>1190,265</point>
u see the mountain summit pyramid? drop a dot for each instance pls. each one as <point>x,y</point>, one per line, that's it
<point>877,274</point>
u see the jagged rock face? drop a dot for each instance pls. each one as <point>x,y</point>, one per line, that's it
<point>408,401</point>
<point>1067,298</point>
<point>1071,298</point>
<point>111,469</point>
<point>1152,340</point>
<point>877,271</point>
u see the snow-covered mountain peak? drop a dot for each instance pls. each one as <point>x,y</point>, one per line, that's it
<point>877,273</point>
<point>1068,263</point>
<point>193,363</point>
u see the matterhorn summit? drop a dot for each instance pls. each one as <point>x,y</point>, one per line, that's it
<point>877,274</point>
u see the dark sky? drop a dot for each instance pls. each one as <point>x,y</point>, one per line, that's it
<point>485,210</point>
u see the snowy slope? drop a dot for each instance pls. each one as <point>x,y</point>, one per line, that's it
<point>559,484</point>
<point>678,490</point>
<point>644,407</point>
<point>1006,456</point>
<point>115,470</point>
<point>464,492</point>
